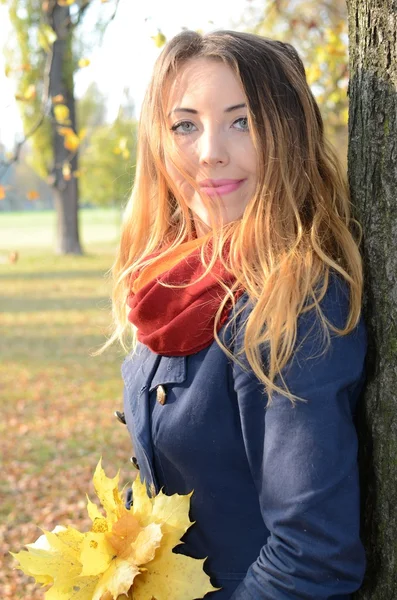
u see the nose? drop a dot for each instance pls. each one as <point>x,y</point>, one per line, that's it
<point>213,149</point>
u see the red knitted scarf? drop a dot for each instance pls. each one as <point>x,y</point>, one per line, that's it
<point>178,322</point>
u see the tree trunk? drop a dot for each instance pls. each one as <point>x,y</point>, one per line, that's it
<point>65,187</point>
<point>372,168</point>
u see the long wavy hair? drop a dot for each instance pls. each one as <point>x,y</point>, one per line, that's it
<point>295,229</point>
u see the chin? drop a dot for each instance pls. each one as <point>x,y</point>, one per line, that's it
<point>198,210</point>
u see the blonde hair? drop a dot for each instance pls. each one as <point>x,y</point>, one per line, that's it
<point>296,228</point>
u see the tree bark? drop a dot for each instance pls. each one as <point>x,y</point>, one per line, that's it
<point>372,170</point>
<point>66,190</point>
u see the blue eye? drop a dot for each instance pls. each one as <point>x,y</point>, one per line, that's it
<point>183,127</point>
<point>243,121</point>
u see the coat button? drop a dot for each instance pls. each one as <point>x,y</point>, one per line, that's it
<point>160,394</point>
<point>120,416</point>
<point>134,462</point>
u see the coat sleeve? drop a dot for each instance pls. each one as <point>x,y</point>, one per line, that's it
<point>303,461</point>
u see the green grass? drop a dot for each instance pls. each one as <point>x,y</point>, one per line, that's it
<point>56,399</point>
<point>36,229</point>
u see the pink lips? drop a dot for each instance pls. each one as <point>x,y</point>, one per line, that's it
<point>220,187</point>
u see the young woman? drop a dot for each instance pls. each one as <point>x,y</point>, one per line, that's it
<point>239,281</point>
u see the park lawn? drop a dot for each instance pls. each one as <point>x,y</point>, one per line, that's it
<point>35,229</point>
<point>56,399</point>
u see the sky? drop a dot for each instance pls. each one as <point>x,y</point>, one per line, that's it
<point>127,54</point>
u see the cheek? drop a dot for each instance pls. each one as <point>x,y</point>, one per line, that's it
<point>171,170</point>
<point>183,151</point>
<point>182,185</point>
<point>249,158</point>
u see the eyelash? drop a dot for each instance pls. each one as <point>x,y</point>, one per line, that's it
<point>175,127</point>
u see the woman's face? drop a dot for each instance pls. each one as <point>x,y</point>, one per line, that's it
<point>207,118</point>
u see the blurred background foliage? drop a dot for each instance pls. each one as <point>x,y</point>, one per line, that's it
<point>106,149</point>
<point>318,30</point>
<point>108,154</point>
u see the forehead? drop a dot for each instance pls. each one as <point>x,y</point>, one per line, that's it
<point>203,80</point>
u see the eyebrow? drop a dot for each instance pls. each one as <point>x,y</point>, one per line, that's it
<point>196,112</point>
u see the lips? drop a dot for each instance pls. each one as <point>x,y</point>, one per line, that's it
<point>214,187</point>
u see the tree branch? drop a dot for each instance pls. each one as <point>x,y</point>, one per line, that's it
<point>81,12</point>
<point>84,7</point>
<point>45,110</point>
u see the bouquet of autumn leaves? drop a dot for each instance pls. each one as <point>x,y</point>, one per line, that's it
<point>127,554</point>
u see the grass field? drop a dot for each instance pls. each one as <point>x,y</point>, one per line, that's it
<point>36,229</point>
<point>56,400</point>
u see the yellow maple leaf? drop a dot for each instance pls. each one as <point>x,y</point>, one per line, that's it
<point>2,192</point>
<point>159,39</point>
<point>58,99</point>
<point>108,493</point>
<point>96,554</point>
<point>173,576</point>
<point>28,94</point>
<point>117,580</point>
<point>84,62</point>
<point>127,553</point>
<point>61,113</point>
<point>155,581</point>
<point>65,131</point>
<point>72,140</point>
<point>54,559</point>
<point>124,533</point>
<point>46,36</point>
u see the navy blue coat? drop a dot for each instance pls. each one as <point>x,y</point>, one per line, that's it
<point>276,491</point>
